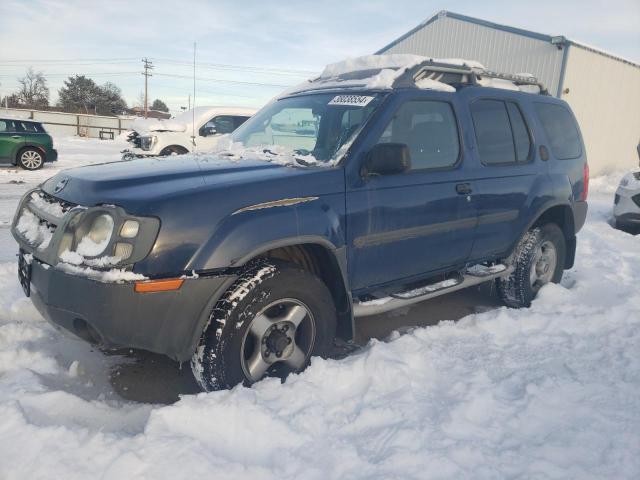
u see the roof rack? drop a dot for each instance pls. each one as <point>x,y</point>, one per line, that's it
<point>458,73</point>
<point>453,73</point>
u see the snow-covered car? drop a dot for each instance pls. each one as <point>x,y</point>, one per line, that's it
<point>626,208</point>
<point>195,130</point>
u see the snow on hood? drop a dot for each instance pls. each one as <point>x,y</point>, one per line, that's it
<point>157,125</point>
<point>277,154</point>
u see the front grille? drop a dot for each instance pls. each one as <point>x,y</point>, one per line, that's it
<point>66,206</point>
<point>39,218</point>
<point>134,139</point>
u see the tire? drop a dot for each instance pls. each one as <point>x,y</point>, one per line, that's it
<point>539,258</point>
<point>30,158</point>
<point>173,150</point>
<point>272,320</point>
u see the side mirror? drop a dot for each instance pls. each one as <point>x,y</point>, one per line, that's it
<point>208,131</point>
<point>387,159</point>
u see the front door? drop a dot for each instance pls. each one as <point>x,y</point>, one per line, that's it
<point>405,226</point>
<point>10,141</point>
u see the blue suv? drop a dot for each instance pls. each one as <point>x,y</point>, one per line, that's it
<point>384,182</point>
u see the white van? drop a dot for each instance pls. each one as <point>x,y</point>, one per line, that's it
<point>176,136</point>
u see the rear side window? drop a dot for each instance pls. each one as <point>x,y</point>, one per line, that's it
<point>430,131</point>
<point>27,127</point>
<point>561,130</point>
<point>501,132</point>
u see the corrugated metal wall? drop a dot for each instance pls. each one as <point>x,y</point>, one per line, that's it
<point>498,50</point>
<point>604,94</point>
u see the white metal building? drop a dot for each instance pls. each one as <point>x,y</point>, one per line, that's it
<point>603,89</point>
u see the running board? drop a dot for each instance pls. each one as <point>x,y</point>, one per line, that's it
<point>473,276</point>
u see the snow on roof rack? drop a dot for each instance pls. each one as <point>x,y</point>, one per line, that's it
<point>463,74</point>
<point>412,71</point>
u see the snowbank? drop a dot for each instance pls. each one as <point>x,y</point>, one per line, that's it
<point>546,392</point>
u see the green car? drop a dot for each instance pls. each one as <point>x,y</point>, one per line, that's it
<point>25,143</point>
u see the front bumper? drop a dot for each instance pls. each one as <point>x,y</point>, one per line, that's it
<point>131,153</point>
<point>114,315</point>
<point>51,155</point>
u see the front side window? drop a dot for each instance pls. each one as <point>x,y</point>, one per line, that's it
<point>317,125</point>
<point>239,120</point>
<point>221,124</point>
<point>430,131</point>
<point>561,130</point>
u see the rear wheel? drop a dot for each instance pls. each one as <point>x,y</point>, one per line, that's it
<point>30,159</point>
<point>538,259</point>
<point>273,319</point>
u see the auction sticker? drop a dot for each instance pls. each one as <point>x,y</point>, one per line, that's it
<point>351,100</point>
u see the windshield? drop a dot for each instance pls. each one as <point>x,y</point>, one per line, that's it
<point>309,128</point>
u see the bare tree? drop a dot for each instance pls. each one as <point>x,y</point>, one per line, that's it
<point>33,90</point>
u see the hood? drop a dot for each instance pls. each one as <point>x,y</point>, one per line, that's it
<point>140,185</point>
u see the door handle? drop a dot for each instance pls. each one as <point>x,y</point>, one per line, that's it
<point>463,188</point>
<point>16,136</point>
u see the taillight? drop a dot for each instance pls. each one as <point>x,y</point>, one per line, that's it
<point>585,182</point>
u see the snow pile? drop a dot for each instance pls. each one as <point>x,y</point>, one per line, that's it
<point>52,208</point>
<point>384,70</point>
<point>546,392</point>
<point>277,154</point>
<point>35,231</point>
<point>430,84</point>
<point>145,125</point>
<point>114,275</point>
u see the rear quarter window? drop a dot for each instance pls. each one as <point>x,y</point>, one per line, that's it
<point>561,130</point>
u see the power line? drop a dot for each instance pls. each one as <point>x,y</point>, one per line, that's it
<point>257,69</point>
<point>121,60</point>
<point>93,74</point>
<point>235,82</point>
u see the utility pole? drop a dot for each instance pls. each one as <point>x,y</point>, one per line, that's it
<point>148,65</point>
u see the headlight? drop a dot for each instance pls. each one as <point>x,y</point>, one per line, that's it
<point>98,236</point>
<point>147,143</point>
<point>105,236</point>
<point>129,229</point>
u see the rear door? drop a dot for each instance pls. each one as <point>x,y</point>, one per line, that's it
<point>509,177</point>
<point>10,141</point>
<point>403,227</point>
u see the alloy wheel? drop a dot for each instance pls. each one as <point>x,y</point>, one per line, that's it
<point>31,159</point>
<point>279,339</point>
<point>543,265</point>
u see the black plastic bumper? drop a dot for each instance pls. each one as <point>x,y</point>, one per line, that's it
<point>114,315</point>
<point>579,215</point>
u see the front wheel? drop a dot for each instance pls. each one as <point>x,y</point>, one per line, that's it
<point>271,321</point>
<point>539,258</point>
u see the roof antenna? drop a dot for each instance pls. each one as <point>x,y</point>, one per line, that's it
<point>193,111</point>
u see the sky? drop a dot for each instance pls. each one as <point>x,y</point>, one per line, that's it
<point>248,51</point>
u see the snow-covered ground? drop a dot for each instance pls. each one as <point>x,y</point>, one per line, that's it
<point>552,391</point>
